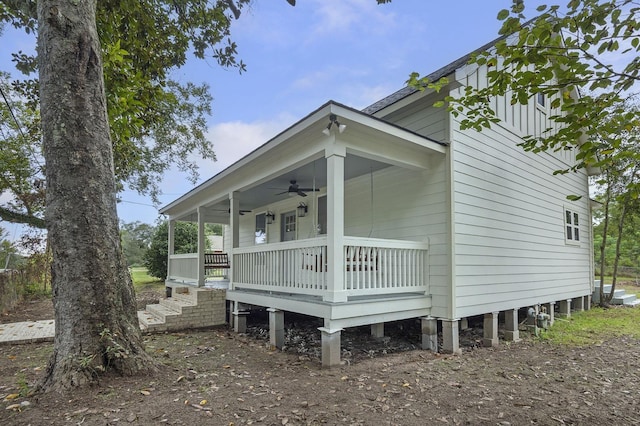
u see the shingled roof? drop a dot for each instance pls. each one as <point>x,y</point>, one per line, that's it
<point>434,76</point>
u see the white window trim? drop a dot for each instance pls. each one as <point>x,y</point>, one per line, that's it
<point>543,108</point>
<point>573,213</point>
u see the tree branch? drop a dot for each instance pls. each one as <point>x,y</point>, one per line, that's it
<point>16,217</point>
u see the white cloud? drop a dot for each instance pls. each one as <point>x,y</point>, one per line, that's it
<point>339,16</point>
<point>363,96</point>
<point>234,139</point>
<point>314,79</point>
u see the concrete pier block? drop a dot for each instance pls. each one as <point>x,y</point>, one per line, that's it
<point>587,302</point>
<point>450,336</point>
<point>240,318</point>
<point>511,332</point>
<point>551,310</point>
<point>429,334</point>
<point>330,346</point>
<point>464,323</point>
<point>377,330</point>
<point>565,308</point>
<point>578,304</point>
<point>490,329</point>
<point>276,328</point>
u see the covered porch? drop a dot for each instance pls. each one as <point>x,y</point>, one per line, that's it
<point>321,220</point>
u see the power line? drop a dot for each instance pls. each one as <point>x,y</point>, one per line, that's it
<point>6,101</point>
<point>140,204</point>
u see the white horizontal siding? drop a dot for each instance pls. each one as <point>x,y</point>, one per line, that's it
<point>407,205</point>
<point>510,248</point>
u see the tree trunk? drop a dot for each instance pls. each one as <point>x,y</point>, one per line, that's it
<point>616,259</point>
<point>603,246</point>
<point>96,323</point>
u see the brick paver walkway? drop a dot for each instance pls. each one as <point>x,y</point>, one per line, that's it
<point>27,332</point>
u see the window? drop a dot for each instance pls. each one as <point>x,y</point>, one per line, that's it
<point>261,228</point>
<point>540,99</point>
<point>572,226</point>
<point>288,226</point>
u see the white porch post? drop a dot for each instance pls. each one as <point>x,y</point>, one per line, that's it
<point>171,244</point>
<point>234,224</point>
<point>201,246</point>
<point>335,224</point>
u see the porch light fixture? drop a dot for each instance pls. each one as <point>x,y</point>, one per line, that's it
<point>333,119</point>
<point>302,210</point>
<point>270,217</point>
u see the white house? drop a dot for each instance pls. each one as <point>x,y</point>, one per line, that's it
<point>393,212</point>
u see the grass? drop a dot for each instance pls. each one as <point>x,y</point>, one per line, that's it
<point>143,281</point>
<point>594,326</point>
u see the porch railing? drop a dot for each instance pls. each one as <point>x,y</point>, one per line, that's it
<point>292,267</point>
<point>381,266</point>
<point>372,266</point>
<point>183,267</point>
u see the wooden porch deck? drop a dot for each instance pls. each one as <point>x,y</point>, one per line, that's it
<point>356,311</point>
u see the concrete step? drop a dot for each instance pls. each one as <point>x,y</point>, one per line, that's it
<point>161,312</point>
<point>607,288</point>
<point>177,305</point>
<point>625,299</point>
<point>618,293</point>
<point>184,297</point>
<point>148,321</point>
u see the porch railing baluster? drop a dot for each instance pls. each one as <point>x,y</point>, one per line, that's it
<point>372,266</point>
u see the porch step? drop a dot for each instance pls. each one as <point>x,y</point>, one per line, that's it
<point>178,305</point>
<point>187,308</point>
<point>607,289</point>
<point>161,312</point>
<point>620,296</point>
<point>148,321</point>
<point>625,299</point>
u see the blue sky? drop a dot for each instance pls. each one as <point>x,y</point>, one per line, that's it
<point>351,51</point>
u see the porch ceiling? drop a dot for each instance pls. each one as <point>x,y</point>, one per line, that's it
<point>310,175</point>
<point>298,153</point>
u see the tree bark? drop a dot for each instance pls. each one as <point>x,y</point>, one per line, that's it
<point>604,301</point>
<point>96,322</point>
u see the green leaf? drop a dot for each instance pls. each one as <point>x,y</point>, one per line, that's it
<point>503,14</point>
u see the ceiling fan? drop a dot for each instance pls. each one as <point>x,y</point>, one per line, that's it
<point>241,212</point>
<point>294,189</point>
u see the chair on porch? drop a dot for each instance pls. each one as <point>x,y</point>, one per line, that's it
<point>216,263</point>
<point>362,259</point>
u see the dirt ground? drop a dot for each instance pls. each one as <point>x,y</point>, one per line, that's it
<point>218,377</point>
